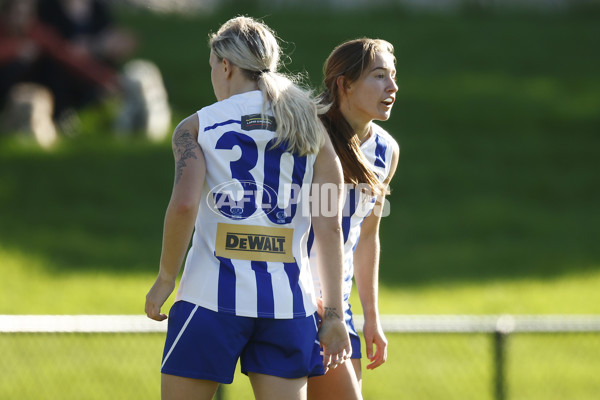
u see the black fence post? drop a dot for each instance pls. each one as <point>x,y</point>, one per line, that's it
<point>499,381</point>
<point>504,326</point>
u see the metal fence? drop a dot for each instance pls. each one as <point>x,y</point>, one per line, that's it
<point>431,357</point>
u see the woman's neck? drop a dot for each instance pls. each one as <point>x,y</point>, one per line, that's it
<point>364,133</point>
<point>242,86</point>
<point>361,129</point>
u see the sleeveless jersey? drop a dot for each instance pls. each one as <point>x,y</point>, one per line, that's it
<point>378,149</point>
<point>249,249</point>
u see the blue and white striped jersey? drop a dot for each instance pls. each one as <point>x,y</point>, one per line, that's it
<point>378,150</point>
<point>249,249</point>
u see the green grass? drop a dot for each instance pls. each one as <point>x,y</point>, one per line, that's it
<point>77,366</point>
<point>575,358</point>
<point>448,366</point>
<point>493,209</point>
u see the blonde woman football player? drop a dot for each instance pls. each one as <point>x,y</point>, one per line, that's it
<point>246,291</point>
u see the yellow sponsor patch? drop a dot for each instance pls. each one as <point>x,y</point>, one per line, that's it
<point>255,243</point>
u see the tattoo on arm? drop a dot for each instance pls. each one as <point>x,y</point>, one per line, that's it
<point>183,149</point>
<point>330,312</point>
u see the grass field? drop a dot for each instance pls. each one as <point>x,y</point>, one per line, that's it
<point>494,208</point>
<point>125,366</point>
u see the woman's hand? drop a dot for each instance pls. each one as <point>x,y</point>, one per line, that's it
<point>156,297</point>
<point>333,335</point>
<point>374,335</point>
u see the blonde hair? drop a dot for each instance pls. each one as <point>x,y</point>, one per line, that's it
<point>252,46</point>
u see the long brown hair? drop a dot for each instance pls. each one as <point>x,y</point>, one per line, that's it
<point>350,59</point>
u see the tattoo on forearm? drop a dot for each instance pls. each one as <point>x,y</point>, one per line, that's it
<point>330,312</point>
<point>183,149</point>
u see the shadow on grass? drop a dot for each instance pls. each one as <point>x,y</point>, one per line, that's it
<point>99,206</point>
<point>493,206</point>
<point>87,205</point>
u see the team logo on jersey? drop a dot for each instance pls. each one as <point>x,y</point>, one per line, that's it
<point>258,122</point>
<point>255,243</point>
<point>240,199</point>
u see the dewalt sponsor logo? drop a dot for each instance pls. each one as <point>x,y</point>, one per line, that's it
<point>249,242</point>
<point>255,243</point>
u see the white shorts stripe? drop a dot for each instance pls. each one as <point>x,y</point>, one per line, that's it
<point>179,336</point>
<point>317,329</point>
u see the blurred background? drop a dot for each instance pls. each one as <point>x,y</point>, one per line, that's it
<point>494,206</point>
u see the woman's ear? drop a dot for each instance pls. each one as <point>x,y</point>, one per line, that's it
<point>227,67</point>
<point>342,85</point>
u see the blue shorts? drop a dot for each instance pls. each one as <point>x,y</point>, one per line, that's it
<point>354,338</point>
<point>205,344</point>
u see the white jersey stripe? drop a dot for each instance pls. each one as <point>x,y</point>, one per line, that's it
<point>265,307</point>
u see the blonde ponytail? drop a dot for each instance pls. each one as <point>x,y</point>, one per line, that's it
<point>252,46</point>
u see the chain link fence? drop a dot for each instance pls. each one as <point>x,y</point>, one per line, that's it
<point>430,357</point>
